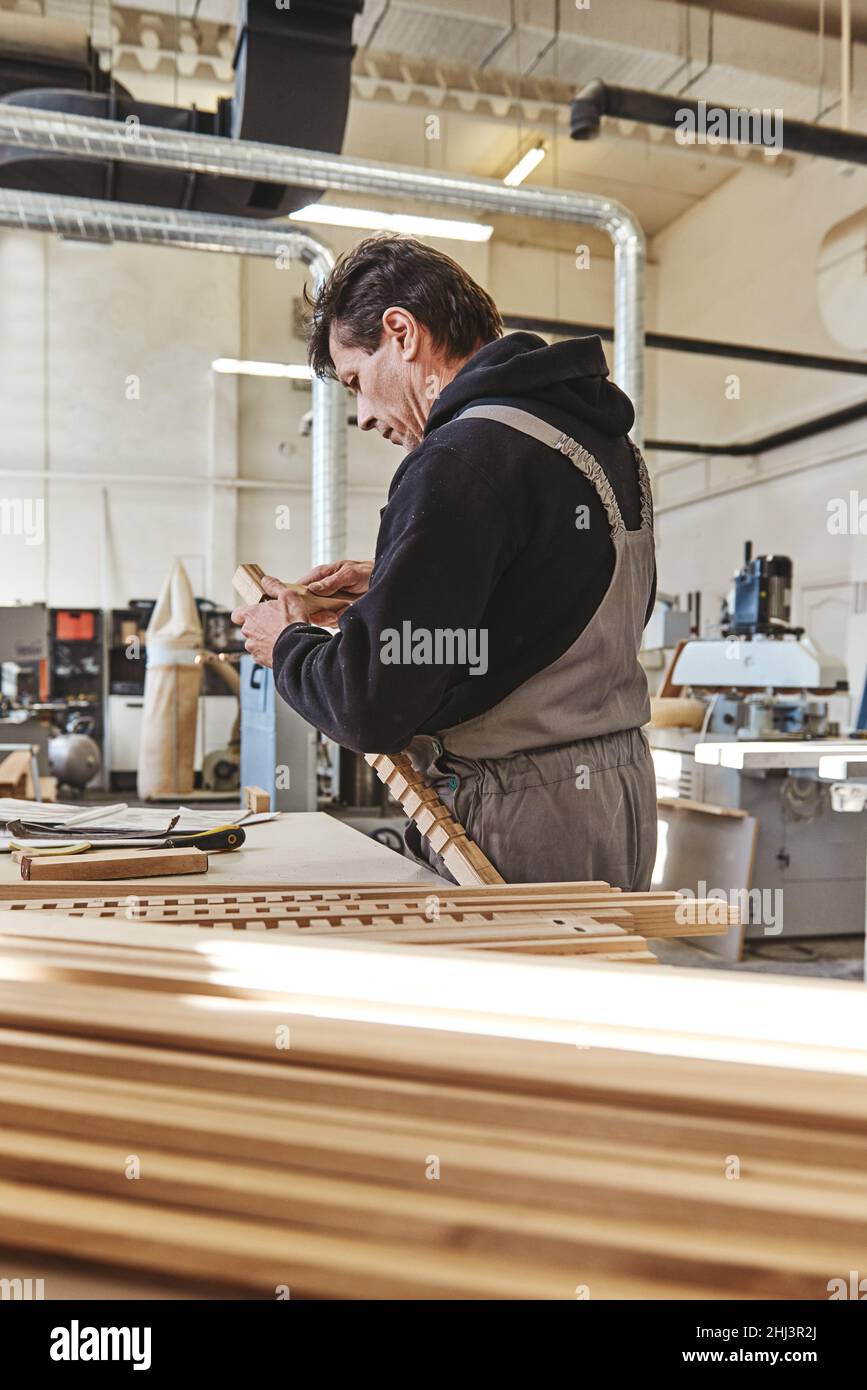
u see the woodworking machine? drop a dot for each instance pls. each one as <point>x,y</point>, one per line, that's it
<point>762,677</point>
<point>765,687</point>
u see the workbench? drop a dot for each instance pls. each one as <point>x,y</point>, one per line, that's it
<point>296,847</point>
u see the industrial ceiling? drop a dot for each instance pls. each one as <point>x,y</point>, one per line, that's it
<point>500,74</point>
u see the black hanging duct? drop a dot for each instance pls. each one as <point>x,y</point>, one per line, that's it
<point>706,347</point>
<point>292,81</point>
<point>600,99</point>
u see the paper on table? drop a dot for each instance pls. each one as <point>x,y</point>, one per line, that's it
<point>158,819</point>
<point>144,818</point>
<point>13,809</point>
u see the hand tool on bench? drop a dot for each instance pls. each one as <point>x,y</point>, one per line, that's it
<point>463,859</point>
<point>183,853</point>
<point>222,837</point>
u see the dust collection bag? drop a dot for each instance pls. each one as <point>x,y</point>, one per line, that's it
<point>171,694</point>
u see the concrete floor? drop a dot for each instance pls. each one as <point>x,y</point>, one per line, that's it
<point>828,957</point>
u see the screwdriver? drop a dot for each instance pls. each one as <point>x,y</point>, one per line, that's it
<point>223,837</point>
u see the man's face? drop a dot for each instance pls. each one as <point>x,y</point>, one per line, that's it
<point>384,385</point>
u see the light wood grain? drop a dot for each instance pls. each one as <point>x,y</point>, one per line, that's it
<point>107,864</point>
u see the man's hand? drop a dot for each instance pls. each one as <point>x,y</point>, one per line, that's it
<point>349,576</point>
<point>262,623</point>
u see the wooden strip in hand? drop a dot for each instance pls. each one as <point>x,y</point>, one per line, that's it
<point>248,583</point>
<point>464,860</point>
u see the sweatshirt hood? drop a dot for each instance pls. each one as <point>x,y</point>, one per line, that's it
<point>572,376</point>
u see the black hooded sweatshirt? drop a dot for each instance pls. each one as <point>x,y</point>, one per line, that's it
<point>479,533</point>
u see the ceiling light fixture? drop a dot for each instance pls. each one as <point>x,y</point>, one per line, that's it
<point>295,371</point>
<point>525,165</point>
<point>374,220</point>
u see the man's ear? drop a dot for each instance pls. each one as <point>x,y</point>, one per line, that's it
<point>405,329</point>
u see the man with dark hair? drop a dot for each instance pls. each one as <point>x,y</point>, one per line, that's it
<point>496,633</point>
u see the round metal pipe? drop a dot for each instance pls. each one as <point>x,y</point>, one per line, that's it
<point>209,154</point>
<point>328,503</point>
<point>84,219</point>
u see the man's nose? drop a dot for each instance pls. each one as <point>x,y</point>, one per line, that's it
<point>364,415</point>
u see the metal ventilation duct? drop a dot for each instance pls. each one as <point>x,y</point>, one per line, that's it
<point>67,135</point>
<point>292,83</point>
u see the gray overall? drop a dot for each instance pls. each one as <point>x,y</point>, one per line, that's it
<point>556,782</point>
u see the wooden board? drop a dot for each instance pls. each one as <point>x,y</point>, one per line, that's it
<point>109,864</point>
<point>247,581</point>
<point>15,775</point>
<point>668,689</point>
<point>523,1147</point>
<point>446,836</point>
<point>708,808</point>
<point>256,799</point>
<point>670,712</point>
<point>47,788</point>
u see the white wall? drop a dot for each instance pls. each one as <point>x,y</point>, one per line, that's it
<point>105,370</point>
<point>700,544</point>
<point>546,284</point>
<point>742,267</point>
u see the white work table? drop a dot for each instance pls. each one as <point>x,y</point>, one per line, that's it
<point>743,755</point>
<point>297,847</point>
<point>841,767</point>
<point>312,847</point>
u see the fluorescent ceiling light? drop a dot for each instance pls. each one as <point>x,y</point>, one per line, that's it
<point>373,220</point>
<point>525,165</point>
<point>294,371</point>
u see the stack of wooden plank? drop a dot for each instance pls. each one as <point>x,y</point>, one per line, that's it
<point>265,1115</point>
<point>539,919</point>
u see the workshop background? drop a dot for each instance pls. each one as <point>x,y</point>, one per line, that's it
<point>742,248</point>
<point>162,444</point>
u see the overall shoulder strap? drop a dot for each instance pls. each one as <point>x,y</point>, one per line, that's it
<point>539,429</point>
<point>644,488</point>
